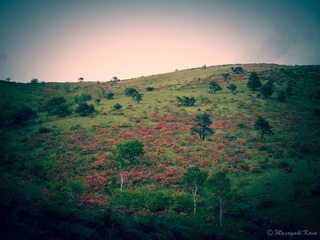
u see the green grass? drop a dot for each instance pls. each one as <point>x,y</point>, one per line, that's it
<point>63,162</point>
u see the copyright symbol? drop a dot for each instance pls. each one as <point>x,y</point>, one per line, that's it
<point>269,232</point>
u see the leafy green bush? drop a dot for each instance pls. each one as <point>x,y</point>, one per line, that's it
<point>131,150</point>
<point>214,87</point>
<point>237,70</point>
<point>232,87</point>
<point>58,106</point>
<point>117,106</point>
<point>109,95</point>
<point>130,91</point>
<point>149,89</point>
<point>84,109</point>
<point>23,115</point>
<point>267,90</point>
<point>186,101</point>
<point>82,98</point>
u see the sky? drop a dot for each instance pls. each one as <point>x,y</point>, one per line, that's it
<point>62,40</point>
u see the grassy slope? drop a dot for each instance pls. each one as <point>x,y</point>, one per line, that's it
<point>64,157</point>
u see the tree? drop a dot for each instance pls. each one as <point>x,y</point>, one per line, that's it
<point>23,115</point>
<point>130,91</point>
<point>254,81</point>
<point>219,185</point>
<point>263,126</point>
<point>137,97</point>
<point>192,180</point>
<point>34,81</point>
<point>134,93</point>
<point>281,96</point>
<point>202,126</point>
<point>8,79</point>
<point>115,79</point>
<point>237,70</point>
<point>186,101</point>
<point>225,76</point>
<point>84,109</point>
<point>214,87</point>
<point>129,151</point>
<point>267,90</point>
<point>232,87</point>
<point>80,79</point>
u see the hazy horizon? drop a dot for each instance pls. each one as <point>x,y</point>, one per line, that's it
<point>64,40</point>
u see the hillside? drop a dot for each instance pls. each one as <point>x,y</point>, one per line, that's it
<point>61,172</point>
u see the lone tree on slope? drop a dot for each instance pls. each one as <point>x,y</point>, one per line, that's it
<point>202,126</point>
<point>128,152</point>
<point>267,90</point>
<point>192,180</point>
<point>219,185</point>
<point>214,87</point>
<point>232,87</point>
<point>254,81</point>
<point>263,126</point>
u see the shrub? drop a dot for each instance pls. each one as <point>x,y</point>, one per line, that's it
<point>23,115</point>
<point>130,91</point>
<point>214,87</point>
<point>186,101</point>
<point>84,109</point>
<point>225,76</point>
<point>137,97</point>
<point>54,102</point>
<point>232,87</point>
<point>82,98</point>
<point>149,89</point>
<point>267,90</point>
<point>237,70</point>
<point>117,106</point>
<point>58,106</point>
<point>109,95</point>
<point>61,110</point>
<point>130,150</point>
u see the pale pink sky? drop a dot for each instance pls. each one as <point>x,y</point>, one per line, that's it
<point>62,42</point>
